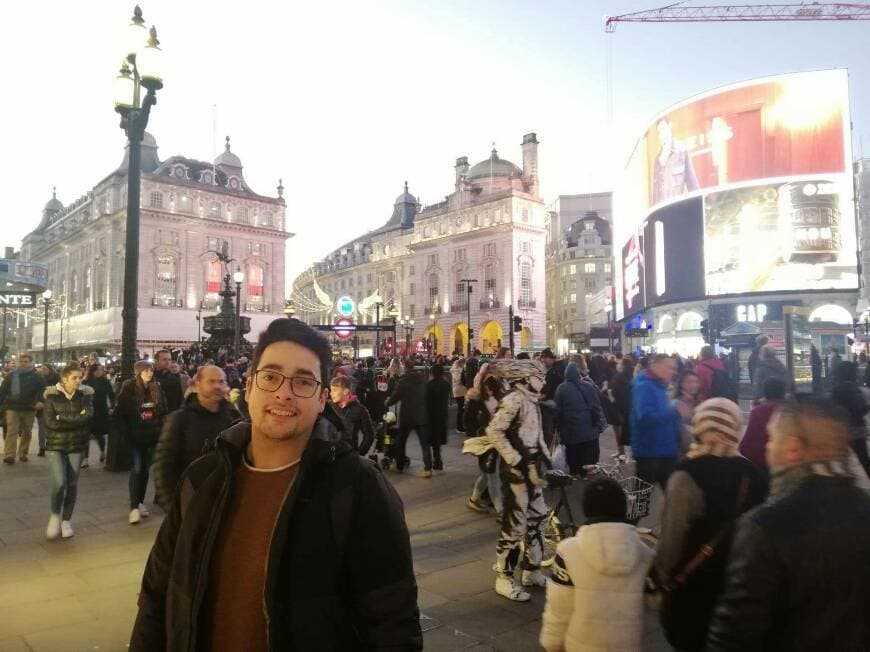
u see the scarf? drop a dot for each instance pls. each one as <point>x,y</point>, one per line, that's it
<point>788,479</point>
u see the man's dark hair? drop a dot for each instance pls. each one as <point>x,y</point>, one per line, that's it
<point>166,351</point>
<point>604,501</point>
<point>523,355</point>
<point>773,389</point>
<point>70,368</point>
<point>436,370</point>
<point>658,357</point>
<point>293,330</point>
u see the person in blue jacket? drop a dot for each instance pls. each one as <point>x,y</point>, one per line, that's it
<point>579,417</point>
<point>655,422</point>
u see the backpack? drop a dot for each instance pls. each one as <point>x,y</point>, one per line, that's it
<point>721,385</point>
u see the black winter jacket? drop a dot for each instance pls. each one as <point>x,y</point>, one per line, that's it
<point>103,399</point>
<point>187,434</point>
<point>798,578</point>
<point>170,383</point>
<point>68,421</point>
<point>411,392</point>
<point>437,397</point>
<point>31,388</point>
<point>340,574</point>
<point>357,419</point>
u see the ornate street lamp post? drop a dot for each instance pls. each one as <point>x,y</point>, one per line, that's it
<point>46,303</point>
<point>238,277</point>
<point>140,69</point>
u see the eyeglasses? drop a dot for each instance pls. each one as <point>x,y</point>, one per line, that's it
<point>271,381</point>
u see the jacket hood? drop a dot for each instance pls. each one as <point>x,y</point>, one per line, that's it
<point>612,549</point>
<point>572,373</point>
<point>192,403</point>
<point>54,390</point>
<point>325,444</point>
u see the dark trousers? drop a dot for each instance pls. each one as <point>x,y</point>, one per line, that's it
<point>423,435</point>
<point>859,445</point>
<point>139,473</point>
<point>547,425</point>
<point>460,405</point>
<point>582,454</point>
<point>655,470</point>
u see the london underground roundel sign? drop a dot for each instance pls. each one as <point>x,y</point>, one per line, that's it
<point>345,306</point>
<point>341,333</point>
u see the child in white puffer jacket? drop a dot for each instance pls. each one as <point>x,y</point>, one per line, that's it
<point>595,594</point>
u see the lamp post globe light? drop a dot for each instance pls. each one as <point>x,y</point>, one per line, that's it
<point>238,277</point>
<point>289,308</point>
<point>140,69</point>
<point>46,304</point>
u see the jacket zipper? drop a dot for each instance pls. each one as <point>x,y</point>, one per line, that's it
<point>205,560</point>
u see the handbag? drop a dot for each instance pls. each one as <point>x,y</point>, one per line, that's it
<point>557,455</point>
<point>659,596</point>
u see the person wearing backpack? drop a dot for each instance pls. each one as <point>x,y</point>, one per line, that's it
<point>715,381</point>
<point>579,417</point>
<point>283,538</point>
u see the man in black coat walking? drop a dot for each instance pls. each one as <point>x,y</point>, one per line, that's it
<point>189,432</point>
<point>354,413</point>
<point>438,392</point>
<point>798,576</point>
<point>411,393</point>
<point>169,382</point>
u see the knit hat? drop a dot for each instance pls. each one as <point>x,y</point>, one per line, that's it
<point>141,365</point>
<point>604,501</point>
<point>718,422</point>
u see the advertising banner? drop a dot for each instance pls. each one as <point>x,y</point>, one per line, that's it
<point>744,189</point>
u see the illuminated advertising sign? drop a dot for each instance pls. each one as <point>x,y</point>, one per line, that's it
<point>745,189</point>
<point>345,306</point>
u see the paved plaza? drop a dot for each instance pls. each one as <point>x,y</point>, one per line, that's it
<point>80,594</point>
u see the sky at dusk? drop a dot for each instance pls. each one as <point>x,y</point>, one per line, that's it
<point>346,101</point>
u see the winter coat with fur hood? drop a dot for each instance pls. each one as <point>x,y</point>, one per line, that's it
<point>595,595</point>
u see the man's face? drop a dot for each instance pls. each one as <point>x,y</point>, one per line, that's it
<point>23,361</point>
<point>783,449</point>
<point>338,393</point>
<point>162,361</point>
<point>281,415</point>
<point>664,370</point>
<point>547,361</point>
<point>174,368</point>
<point>212,384</point>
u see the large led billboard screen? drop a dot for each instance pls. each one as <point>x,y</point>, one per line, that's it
<point>745,189</point>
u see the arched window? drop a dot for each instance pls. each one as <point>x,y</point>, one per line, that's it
<point>689,321</point>
<point>166,284</point>
<point>256,298</point>
<point>832,313</point>
<point>666,324</point>
<point>525,300</point>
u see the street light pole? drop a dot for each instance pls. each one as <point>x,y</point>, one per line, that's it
<point>134,119</point>
<point>468,282</point>
<point>378,305</point>
<point>46,302</point>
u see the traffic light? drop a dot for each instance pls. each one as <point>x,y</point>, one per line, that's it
<point>518,323</point>
<point>705,330</point>
<point>470,333</point>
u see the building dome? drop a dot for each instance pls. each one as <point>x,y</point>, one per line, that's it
<point>493,167</point>
<point>54,204</point>
<point>227,158</point>
<point>406,197</point>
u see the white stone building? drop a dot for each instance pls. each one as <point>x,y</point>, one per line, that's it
<point>579,266</point>
<point>490,228</point>
<point>189,209</point>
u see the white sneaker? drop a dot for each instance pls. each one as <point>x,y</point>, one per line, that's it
<point>135,516</point>
<point>507,588</point>
<point>53,530</point>
<point>66,530</point>
<point>143,511</point>
<point>534,578</point>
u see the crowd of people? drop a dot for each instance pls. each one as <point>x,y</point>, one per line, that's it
<point>759,543</point>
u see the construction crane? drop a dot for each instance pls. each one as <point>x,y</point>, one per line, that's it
<point>678,13</point>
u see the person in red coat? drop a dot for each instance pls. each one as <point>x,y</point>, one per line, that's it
<point>704,371</point>
<point>753,446</point>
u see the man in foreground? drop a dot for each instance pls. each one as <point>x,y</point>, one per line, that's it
<point>283,538</point>
<point>798,576</point>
